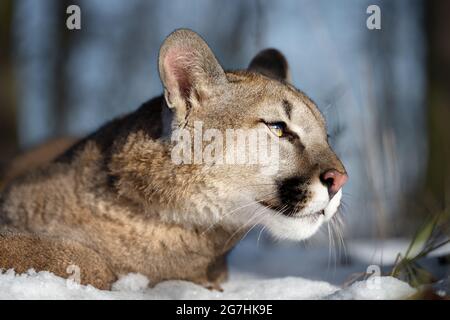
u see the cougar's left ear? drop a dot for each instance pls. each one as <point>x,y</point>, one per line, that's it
<point>188,69</point>
<point>272,64</point>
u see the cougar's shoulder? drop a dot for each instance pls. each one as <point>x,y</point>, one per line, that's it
<point>59,188</point>
<point>113,135</point>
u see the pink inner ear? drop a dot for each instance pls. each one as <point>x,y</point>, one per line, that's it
<point>177,64</point>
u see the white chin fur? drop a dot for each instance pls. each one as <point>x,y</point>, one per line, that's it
<point>290,228</point>
<point>308,221</point>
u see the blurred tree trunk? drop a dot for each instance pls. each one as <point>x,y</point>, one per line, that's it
<point>438,100</point>
<point>64,42</point>
<point>8,102</point>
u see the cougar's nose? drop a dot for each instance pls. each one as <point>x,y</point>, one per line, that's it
<point>333,180</point>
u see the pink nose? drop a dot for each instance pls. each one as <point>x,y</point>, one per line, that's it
<point>334,180</point>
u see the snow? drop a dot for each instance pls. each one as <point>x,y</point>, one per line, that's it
<point>131,282</point>
<point>269,271</point>
<point>44,285</point>
<point>377,288</point>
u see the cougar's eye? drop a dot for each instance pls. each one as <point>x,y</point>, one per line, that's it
<point>278,128</point>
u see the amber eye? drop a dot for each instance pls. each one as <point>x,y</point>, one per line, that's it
<point>278,128</point>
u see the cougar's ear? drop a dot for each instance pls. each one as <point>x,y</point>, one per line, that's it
<point>272,64</point>
<point>188,69</point>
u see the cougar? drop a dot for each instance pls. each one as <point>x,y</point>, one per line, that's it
<point>116,202</point>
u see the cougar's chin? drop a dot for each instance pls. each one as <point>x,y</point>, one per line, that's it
<point>293,228</point>
<point>306,223</point>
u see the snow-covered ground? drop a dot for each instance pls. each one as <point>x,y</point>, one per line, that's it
<point>44,285</point>
<point>257,271</point>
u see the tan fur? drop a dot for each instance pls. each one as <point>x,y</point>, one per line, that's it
<point>22,252</point>
<point>116,203</point>
<point>71,202</point>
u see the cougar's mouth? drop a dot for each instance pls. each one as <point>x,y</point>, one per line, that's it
<point>291,212</point>
<point>309,215</point>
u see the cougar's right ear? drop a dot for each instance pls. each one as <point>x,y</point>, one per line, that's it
<point>188,69</point>
<point>272,64</point>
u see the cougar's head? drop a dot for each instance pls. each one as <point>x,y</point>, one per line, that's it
<point>300,187</point>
